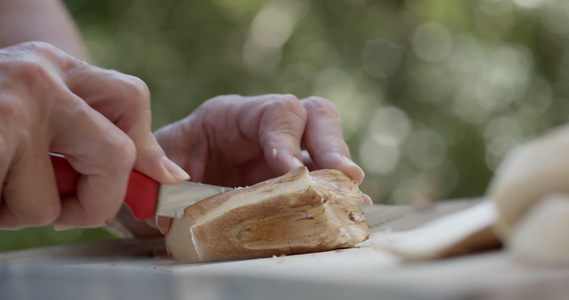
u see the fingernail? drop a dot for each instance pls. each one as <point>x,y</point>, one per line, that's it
<point>61,227</point>
<point>350,162</point>
<point>175,170</point>
<point>163,224</point>
<point>367,199</point>
<point>296,162</point>
<point>357,175</point>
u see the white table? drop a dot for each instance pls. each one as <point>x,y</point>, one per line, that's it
<point>120,270</point>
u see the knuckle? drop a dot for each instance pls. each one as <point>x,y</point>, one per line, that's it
<point>287,99</point>
<point>30,70</point>
<point>287,102</point>
<point>225,98</point>
<point>43,51</point>
<point>133,89</point>
<point>317,101</point>
<point>27,58</point>
<point>122,152</point>
<point>138,88</point>
<point>320,105</point>
<point>221,100</point>
<point>39,47</point>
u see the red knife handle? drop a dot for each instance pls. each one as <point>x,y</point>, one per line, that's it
<point>141,195</point>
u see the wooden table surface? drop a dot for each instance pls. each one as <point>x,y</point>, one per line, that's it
<point>123,270</point>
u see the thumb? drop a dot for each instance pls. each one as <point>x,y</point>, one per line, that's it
<point>125,101</point>
<point>152,161</point>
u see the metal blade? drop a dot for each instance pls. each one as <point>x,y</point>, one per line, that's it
<point>380,214</point>
<point>173,199</point>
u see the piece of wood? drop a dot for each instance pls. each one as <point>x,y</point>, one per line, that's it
<point>298,212</point>
<point>462,232</point>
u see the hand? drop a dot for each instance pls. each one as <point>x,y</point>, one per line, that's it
<point>239,141</point>
<point>99,119</point>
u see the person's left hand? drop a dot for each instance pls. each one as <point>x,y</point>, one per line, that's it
<point>238,141</point>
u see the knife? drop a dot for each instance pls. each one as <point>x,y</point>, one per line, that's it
<point>145,196</point>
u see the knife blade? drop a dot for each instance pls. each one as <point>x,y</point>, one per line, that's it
<point>145,196</point>
<point>173,199</point>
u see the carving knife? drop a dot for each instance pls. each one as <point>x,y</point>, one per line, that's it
<point>145,196</point>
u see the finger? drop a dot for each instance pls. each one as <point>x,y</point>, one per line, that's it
<point>324,140</point>
<point>367,198</point>
<point>308,162</point>
<point>29,194</point>
<point>125,101</point>
<point>81,133</point>
<point>186,145</point>
<point>103,154</point>
<point>152,160</point>
<point>280,129</point>
<point>163,224</point>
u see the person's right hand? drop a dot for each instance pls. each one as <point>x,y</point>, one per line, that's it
<point>99,119</point>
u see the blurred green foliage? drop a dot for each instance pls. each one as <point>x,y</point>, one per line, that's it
<point>46,236</point>
<point>433,93</point>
